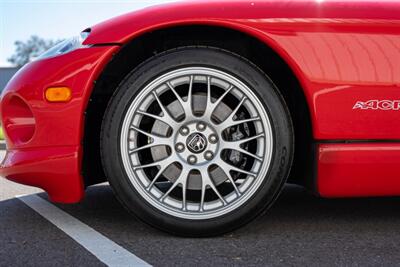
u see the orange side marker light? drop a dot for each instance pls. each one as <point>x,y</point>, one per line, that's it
<point>58,94</point>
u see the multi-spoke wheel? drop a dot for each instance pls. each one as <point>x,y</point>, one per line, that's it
<point>197,141</point>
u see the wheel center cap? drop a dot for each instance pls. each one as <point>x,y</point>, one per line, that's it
<point>196,142</point>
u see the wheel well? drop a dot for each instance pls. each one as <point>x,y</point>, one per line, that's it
<point>152,43</point>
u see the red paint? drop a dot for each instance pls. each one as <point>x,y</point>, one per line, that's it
<point>359,170</point>
<point>18,121</point>
<point>341,52</point>
<point>49,155</point>
<point>54,169</point>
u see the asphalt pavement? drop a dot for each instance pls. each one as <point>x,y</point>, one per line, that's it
<point>300,229</point>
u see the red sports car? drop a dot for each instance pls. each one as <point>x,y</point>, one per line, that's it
<point>197,113</point>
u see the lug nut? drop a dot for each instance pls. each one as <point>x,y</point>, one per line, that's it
<point>213,139</point>
<point>201,126</point>
<point>184,130</point>
<point>192,159</point>
<point>179,147</point>
<point>208,155</point>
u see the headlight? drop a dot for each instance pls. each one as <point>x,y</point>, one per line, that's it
<point>66,46</point>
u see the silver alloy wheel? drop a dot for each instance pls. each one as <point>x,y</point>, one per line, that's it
<point>196,143</point>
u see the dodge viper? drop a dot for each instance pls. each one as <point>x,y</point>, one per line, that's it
<point>197,113</point>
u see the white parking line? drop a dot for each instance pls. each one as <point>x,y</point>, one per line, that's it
<point>100,246</point>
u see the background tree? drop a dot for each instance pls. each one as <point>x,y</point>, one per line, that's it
<point>26,51</point>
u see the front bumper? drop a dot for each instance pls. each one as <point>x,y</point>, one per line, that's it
<point>44,139</point>
<point>55,170</point>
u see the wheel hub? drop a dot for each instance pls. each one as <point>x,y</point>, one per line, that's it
<point>196,143</point>
<point>185,167</point>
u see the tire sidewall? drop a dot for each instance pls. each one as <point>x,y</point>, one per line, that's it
<point>234,65</point>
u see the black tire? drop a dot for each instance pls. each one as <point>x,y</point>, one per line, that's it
<point>242,69</point>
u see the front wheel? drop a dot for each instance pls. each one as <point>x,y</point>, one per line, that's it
<point>197,141</point>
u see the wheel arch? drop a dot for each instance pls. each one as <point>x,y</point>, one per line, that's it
<point>247,43</point>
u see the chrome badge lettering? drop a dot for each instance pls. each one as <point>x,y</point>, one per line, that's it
<point>378,105</point>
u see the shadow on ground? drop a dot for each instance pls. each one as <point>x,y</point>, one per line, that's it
<point>299,229</point>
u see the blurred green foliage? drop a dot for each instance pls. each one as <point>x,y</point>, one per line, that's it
<point>1,134</point>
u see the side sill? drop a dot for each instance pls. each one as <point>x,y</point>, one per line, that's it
<point>356,169</point>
